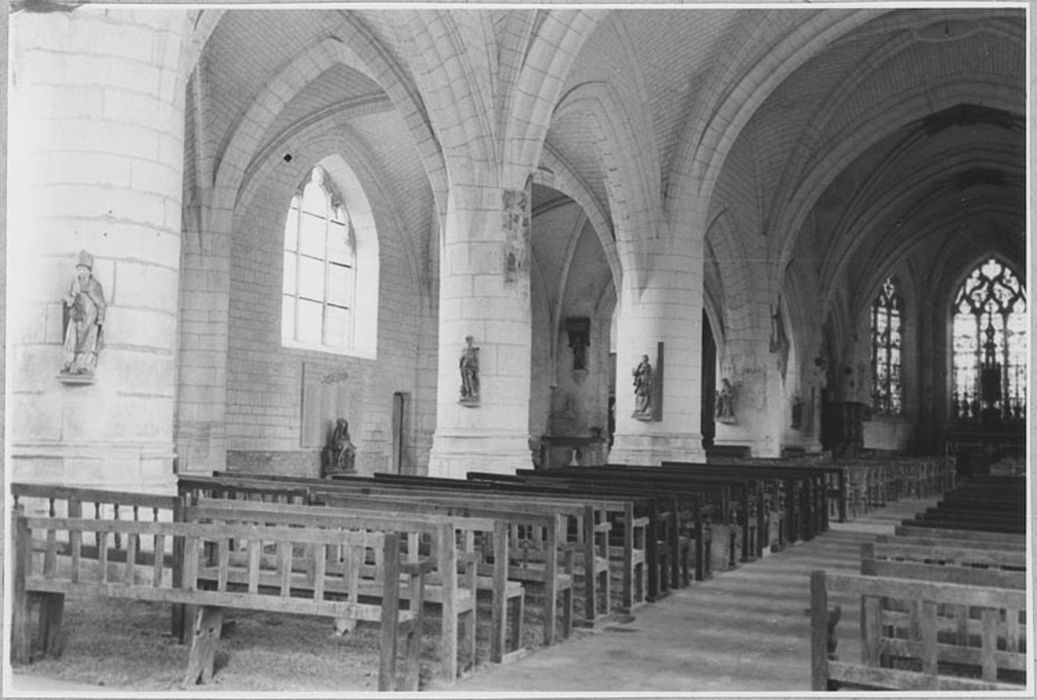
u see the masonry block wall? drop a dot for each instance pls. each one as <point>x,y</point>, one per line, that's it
<point>265,380</point>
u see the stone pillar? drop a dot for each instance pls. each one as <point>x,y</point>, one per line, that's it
<point>667,309</point>
<point>484,293</point>
<point>96,156</point>
<point>760,399</point>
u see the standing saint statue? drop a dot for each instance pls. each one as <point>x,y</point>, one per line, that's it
<point>84,319</point>
<point>643,388</point>
<point>724,409</point>
<point>469,366</point>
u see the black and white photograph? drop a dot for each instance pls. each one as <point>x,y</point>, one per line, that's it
<point>514,349</point>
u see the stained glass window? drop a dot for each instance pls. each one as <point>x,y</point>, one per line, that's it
<point>990,347</point>
<point>319,268</point>
<point>885,350</point>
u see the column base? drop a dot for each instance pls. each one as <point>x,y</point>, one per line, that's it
<point>762,447</point>
<point>136,468</point>
<point>654,449</point>
<point>453,456</point>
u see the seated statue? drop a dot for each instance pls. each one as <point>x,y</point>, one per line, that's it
<point>340,453</point>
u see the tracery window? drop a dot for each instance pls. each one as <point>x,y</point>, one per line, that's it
<point>990,347</point>
<point>885,350</point>
<point>319,268</point>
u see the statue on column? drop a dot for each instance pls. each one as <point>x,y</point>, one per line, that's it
<point>84,309</point>
<point>469,366</point>
<point>643,389</point>
<point>724,409</point>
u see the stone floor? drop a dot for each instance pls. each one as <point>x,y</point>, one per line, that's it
<point>743,631</point>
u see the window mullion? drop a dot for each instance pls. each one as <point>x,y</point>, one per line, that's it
<point>298,271</point>
<point>327,272</point>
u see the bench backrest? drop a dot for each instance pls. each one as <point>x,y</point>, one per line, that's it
<point>223,564</point>
<point>1001,540</point>
<point>906,549</point>
<point>922,648</point>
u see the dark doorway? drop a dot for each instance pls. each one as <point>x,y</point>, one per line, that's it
<point>400,462</point>
<point>709,382</point>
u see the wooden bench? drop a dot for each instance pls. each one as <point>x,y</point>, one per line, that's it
<point>919,649</point>
<point>1017,548</point>
<point>946,551</point>
<point>703,503</point>
<point>451,583</point>
<point>539,556</point>
<point>667,551</point>
<point>1000,540</point>
<point>583,531</point>
<point>590,520</point>
<point>410,498</point>
<point>940,566</point>
<point>801,493</point>
<point>211,586</point>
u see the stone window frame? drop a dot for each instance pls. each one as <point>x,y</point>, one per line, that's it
<point>975,301</point>
<point>335,261</point>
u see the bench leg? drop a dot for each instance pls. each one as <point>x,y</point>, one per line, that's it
<point>52,610</point>
<point>201,660</point>
<point>412,663</point>
<point>468,644</point>
<point>568,605</point>
<point>498,623</point>
<point>516,621</point>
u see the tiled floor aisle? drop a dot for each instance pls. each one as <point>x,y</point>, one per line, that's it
<point>744,630</point>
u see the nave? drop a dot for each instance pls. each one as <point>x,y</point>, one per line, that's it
<point>744,630</point>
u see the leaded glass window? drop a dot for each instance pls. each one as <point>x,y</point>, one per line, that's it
<point>885,350</point>
<point>990,347</point>
<point>319,268</point>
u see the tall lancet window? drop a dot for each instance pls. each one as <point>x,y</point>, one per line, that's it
<point>319,268</point>
<point>885,350</point>
<point>990,348</point>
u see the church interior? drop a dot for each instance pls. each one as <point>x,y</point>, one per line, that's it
<point>334,244</point>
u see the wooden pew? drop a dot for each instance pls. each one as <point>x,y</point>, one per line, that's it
<point>452,583</point>
<point>941,566</point>
<point>709,499</point>
<point>804,491</point>
<point>594,573</point>
<point>957,552</point>
<point>1017,547</point>
<point>59,500</point>
<point>551,567</point>
<point>623,513</point>
<point>212,586</point>
<point>1000,540</point>
<point>932,656</point>
<point>675,523</point>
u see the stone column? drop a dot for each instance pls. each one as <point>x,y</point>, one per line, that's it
<point>760,398</point>
<point>96,156</point>
<point>667,309</point>
<point>484,294</point>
